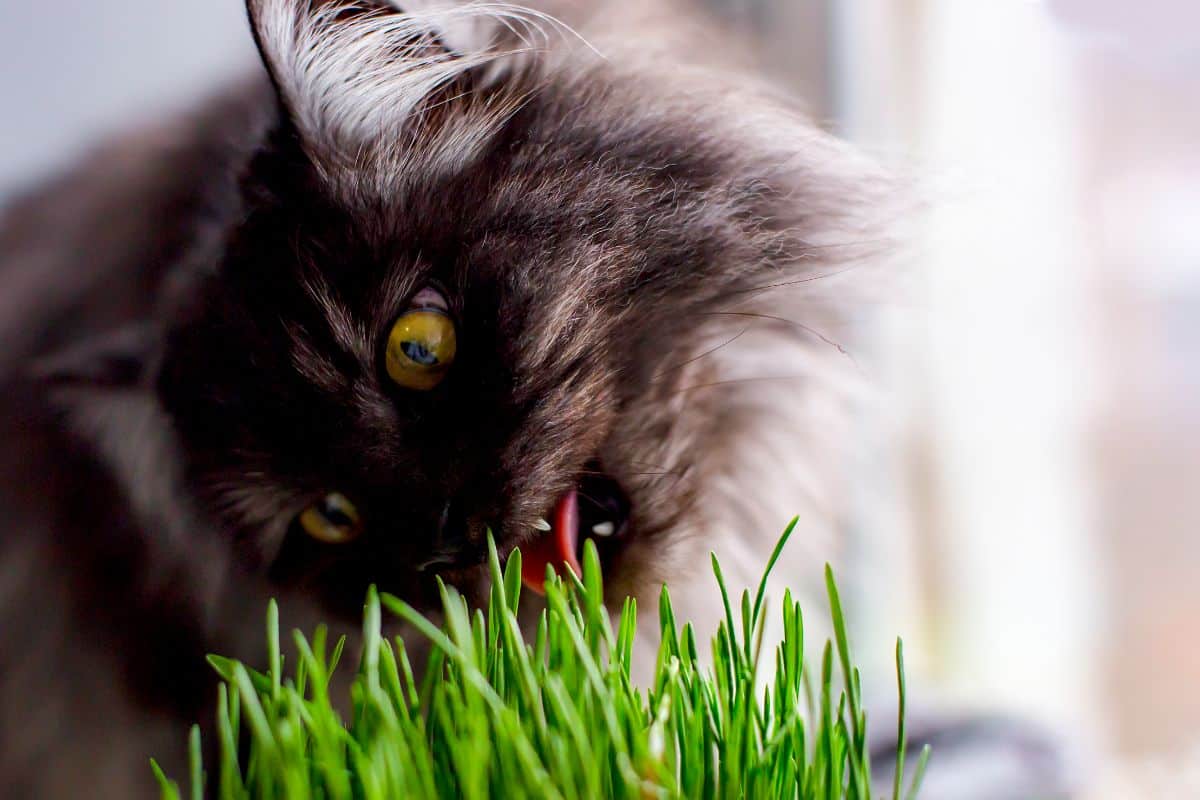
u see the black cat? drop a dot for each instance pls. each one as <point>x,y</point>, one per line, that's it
<point>439,271</point>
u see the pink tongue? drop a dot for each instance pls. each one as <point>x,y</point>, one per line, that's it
<point>556,548</point>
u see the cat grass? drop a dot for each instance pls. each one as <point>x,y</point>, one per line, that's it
<point>498,716</point>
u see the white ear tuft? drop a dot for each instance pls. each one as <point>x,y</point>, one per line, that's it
<point>353,73</point>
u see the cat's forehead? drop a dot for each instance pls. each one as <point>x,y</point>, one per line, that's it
<point>546,153</point>
<point>563,197</point>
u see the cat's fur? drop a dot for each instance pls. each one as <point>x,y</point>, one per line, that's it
<point>650,260</point>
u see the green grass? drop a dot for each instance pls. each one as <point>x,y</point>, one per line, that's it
<point>495,716</point>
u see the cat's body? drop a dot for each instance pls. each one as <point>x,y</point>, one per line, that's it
<point>643,260</point>
<point>94,603</point>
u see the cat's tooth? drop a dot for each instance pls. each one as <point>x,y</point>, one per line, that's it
<point>541,524</point>
<point>604,529</point>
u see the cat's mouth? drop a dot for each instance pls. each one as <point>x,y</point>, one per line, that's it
<point>596,508</point>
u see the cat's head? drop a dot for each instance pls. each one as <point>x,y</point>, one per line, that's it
<point>488,278</point>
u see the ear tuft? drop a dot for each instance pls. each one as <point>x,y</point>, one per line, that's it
<point>352,73</point>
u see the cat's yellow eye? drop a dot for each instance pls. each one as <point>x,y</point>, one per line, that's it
<point>333,519</point>
<point>420,348</point>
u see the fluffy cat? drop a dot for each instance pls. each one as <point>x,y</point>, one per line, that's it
<point>442,269</point>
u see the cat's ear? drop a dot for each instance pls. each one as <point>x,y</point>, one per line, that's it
<point>351,73</point>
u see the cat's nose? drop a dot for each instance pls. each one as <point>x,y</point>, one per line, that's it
<point>461,539</point>
<point>453,525</point>
<point>454,544</point>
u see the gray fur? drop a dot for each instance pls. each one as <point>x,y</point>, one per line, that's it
<point>652,262</point>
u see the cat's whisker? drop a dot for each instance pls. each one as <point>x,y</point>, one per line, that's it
<point>435,560</point>
<point>794,323</point>
<point>798,282</point>
<point>682,364</point>
<point>735,381</point>
<point>659,467</point>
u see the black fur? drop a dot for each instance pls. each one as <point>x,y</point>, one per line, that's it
<point>193,322</point>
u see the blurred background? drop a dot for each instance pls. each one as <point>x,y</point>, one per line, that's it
<point>1030,473</point>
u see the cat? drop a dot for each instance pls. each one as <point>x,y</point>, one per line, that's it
<point>440,269</point>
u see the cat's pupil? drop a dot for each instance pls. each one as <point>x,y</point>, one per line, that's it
<point>418,353</point>
<point>335,516</point>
